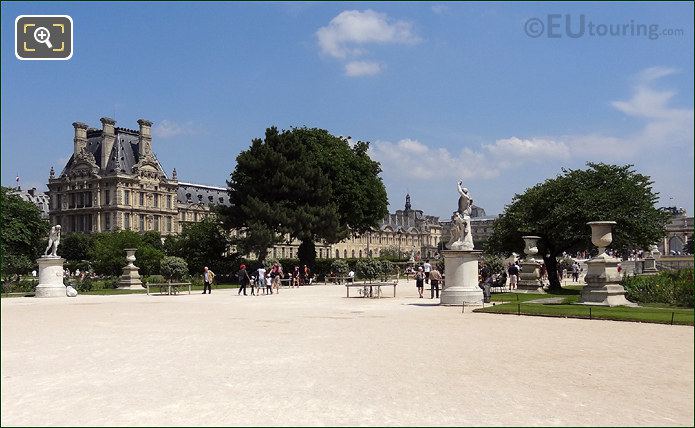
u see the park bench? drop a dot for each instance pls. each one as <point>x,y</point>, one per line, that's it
<point>370,289</point>
<point>169,288</point>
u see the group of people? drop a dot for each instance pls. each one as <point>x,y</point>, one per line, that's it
<point>428,274</point>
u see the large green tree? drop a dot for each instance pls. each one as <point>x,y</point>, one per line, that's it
<point>558,209</point>
<point>202,244</point>
<point>23,233</point>
<point>307,184</point>
<point>107,253</point>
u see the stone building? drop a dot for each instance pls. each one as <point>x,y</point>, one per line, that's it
<point>113,181</point>
<point>679,232</point>
<point>40,199</point>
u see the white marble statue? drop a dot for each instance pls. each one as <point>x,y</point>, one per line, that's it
<point>461,236</point>
<point>53,241</point>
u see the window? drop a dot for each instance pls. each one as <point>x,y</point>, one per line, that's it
<point>360,253</point>
<point>142,199</point>
<point>291,252</point>
<point>126,221</point>
<point>72,201</point>
<point>107,220</point>
<point>107,197</point>
<point>195,217</point>
<point>80,200</point>
<point>168,224</point>
<point>168,201</point>
<point>337,254</point>
<point>126,197</point>
<point>156,200</point>
<point>142,222</point>
<point>59,202</point>
<point>353,254</point>
<point>320,253</point>
<point>88,199</point>
<point>183,216</point>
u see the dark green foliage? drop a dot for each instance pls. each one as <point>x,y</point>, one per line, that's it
<point>372,269</point>
<point>74,247</point>
<point>107,254</point>
<point>340,267</point>
<point>154,279</point>
<point>558,209</point>
<point>173,268</point>
<point>303,184</point>
<point>392,253</point>
<point>202,244</point>
<point>24,233</point>
<point>307,253</point>
<point>670,287</point>
<point>494,263</point>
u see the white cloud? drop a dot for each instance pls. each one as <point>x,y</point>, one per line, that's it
<point>344,35</point>
<point>528,149</point>
<point>349,34</point>
<point>362,68</point>
<point>170,129</point>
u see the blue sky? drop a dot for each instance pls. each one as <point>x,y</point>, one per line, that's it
<point>442,90</point>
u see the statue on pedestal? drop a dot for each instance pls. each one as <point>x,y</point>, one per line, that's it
<point>53,241</point>
<point>461,236</point>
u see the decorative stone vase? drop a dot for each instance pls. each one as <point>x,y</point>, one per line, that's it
<point>130,279</point>
<point>602,277</point>
<point>530,276</point>
<point>531,248</point>
<point>601,234</point>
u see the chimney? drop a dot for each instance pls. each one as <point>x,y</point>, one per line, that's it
<point>145,138</point>
<point>108,137</point>
<point>80,139</point>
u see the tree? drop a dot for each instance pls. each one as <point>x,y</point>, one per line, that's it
<point>75,246</point>
<point>23,233</point>
<point>108,256</point>
<point>202,244</point>
<point>173,267</point>
<point>558,209</point>
<point>303,184</point>
<point>391,253</point>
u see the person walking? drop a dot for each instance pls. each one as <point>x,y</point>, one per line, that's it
<point>268,285</point>
<point>427,267</point>
<point>208,277</point>
<point>435,277</point>
<point>260,277</point>
<point>420,281</point>
<point>513,272</point>
<point>575,272</point>
<point>244,279</point>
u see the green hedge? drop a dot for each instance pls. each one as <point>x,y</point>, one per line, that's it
<point>670,287</point>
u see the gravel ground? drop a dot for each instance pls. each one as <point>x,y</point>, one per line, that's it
<point>310,356</point>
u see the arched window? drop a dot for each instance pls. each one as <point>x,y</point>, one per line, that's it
<point>337,254</point>
<point>345,254</point>
<point>360,253</point>
<point>353,254</point>
<point>675,244</point>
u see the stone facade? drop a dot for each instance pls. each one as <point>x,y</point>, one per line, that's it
<point>679,231</point>
<point>40,199</point>
<point>113,181</point>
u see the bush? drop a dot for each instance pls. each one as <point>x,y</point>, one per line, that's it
<point>173,267</point>
<point>339,267</point>
<point>25,285</point>
<point>669,287</point>
<point>154,279</point>
<point>495,264</point>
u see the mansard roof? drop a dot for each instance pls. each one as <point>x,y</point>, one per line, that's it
<point>192,193</point>
<point>124,154</point>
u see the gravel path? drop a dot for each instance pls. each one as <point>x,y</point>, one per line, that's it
<point>310,356</point>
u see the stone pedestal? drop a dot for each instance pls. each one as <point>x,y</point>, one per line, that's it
<point>603,283</point>
<point>461,278</point>
<point>130,279</point>
<point>649,266</point>
<point>50,277</point>
<point>530,277</point>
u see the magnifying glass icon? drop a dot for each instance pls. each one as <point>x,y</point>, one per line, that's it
<point>42,35</point>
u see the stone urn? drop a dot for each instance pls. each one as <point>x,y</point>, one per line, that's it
<point>603,278</point>
<point>531,246</point>
<point>130,256</point>
<point>601,234</point>
<point>130,279</point>
<point>530,276</point>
